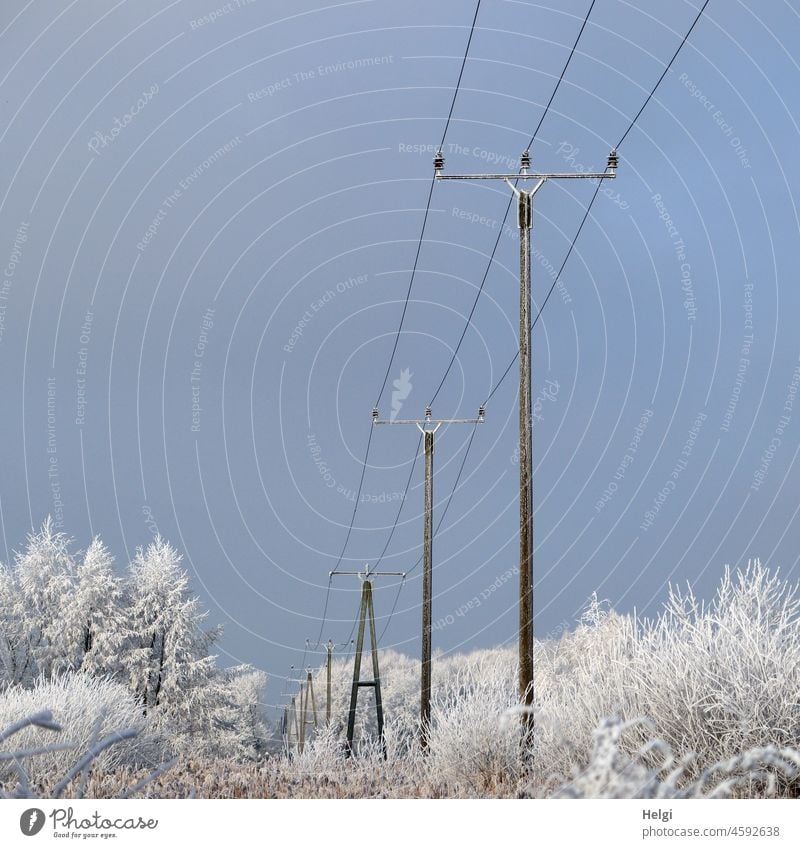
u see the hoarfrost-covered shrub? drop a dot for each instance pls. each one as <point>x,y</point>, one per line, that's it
<point>715,679</point>
<point>612,773</point>
<point>77,702</point>
<point>473,742</point>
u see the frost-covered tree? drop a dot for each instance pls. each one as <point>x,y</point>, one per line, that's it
<point>13,652</point>
<point>245,688</point>
<point>165,650</point>
<point>41,586</point>
<point>92,629</point>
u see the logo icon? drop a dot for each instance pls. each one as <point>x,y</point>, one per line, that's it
<point>31,821</point>
<point>402,389</point>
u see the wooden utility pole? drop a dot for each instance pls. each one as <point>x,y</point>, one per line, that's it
<point>367,613</point>
<point>525,223</point>
<point>291,718</point>
<point>306,698</point>
<point>301,743</point>
<point>310,690</point>
<point>329,650</point>
<point>428,427</point>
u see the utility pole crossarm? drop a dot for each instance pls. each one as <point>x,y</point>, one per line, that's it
<point>428,422</point>
<point>437,421</point>
<point>525,174</point>
<point>605,175</point>
<point>367,575</point>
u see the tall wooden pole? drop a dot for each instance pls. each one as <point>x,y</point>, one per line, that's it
<point>329,649</point>
<point>427,591</point>
<point>524,219</point>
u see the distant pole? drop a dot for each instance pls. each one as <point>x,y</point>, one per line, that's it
<point>329,649</point>
<point>296,726</point>
<point>310,692</point>
<point>303,705</point>
<point>525,223</point>
<point>428,427</point>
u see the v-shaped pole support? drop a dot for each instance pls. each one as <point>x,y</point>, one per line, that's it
<point>366,614</point>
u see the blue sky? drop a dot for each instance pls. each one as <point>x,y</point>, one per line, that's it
<point>210,213</point>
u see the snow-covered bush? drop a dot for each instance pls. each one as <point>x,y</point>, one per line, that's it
<point>474,744</point>
<point>612,773</point>
<point>87,709</point>
<point>714,679</point>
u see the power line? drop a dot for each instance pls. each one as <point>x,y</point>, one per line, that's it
<point>666,70</point>
<point>552,287</point>
<point>394,525</point>
<point>480,289</point>
<point>491,259</point>
<point>400,327</point>
<point>508,209</point>
<point>563,264</point>
<point>402,502</point>
<point>594,196</point>
<point>561,77</point>
<point>438,526</point>
<point>427,211</point>
<point>346,541</point>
